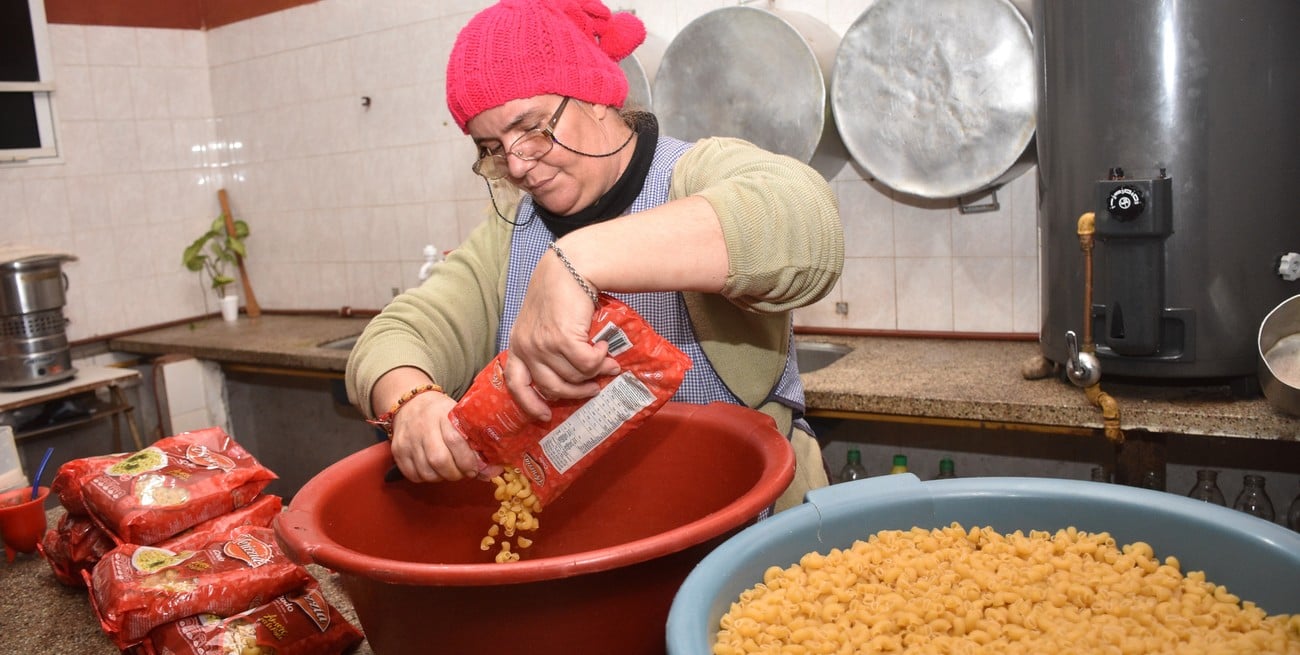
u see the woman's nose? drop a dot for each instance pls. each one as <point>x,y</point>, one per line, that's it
<point>517,167</point>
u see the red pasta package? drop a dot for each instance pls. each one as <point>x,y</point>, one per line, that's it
<point>298,623</point>
<point>258,513</point>
<point>135,589</point>
<point>552,454</point>
<point>74,545</point>
<point>72,476</point>
<point>174,484</point>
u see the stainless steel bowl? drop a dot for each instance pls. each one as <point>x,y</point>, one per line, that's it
<point>1279,356</point>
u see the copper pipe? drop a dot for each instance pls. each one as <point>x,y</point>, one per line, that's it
<point>1087,229</point>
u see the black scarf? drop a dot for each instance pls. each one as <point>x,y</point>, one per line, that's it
<point>622,194</point>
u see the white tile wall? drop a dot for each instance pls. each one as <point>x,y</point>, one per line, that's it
<point>342,198</point>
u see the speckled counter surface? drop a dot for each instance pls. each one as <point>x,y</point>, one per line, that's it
<point>286,341</point>
<point>939,379</point>
<point>972,380</point>
<point>40,615</point>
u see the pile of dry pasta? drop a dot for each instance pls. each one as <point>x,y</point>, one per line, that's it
<point>951,590</point>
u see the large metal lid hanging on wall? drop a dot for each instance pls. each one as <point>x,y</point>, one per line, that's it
<point>936,99</point>
<point>757,74</point>
<point>640,68</point>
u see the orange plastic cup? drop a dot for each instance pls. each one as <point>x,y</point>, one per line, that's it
<point>22,520</point>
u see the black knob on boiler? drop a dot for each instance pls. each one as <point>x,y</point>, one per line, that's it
<point>1125,203</point>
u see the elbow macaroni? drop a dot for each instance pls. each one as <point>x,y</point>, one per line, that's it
<point>976,591</point>
<point>517,513</point>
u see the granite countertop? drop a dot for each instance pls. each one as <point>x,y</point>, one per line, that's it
<point>274,340</point>
<point>38,614</point>
<point>963,380</point>
<point>981,381</point>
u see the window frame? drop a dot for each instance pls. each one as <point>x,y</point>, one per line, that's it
<point>42,94</point>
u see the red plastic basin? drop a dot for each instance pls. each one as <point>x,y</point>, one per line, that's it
<point>605,564</point>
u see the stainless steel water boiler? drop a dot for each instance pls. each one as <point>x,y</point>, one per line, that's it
<point>1174,122</point>
<point>33,339</point>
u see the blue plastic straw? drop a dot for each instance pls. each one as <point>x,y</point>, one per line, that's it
<point>40,470</point>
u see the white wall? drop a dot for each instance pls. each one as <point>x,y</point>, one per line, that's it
<point>341,198</point>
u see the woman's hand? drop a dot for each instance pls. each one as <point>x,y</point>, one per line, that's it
<point>550,354</point>
<point>426,447</point>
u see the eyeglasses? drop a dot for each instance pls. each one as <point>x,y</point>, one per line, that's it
<point>530,146</point>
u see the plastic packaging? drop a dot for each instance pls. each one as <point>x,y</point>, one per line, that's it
<point>1207,488</point>
<point>853,468</point>
<point>11,469</point>
<point>1253,499</point>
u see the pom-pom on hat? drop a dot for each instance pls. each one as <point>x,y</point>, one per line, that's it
<point>524,48</point>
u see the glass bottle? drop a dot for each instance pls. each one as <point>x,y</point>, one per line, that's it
<point>900,464</point>
<point>1253,499</point>
<point>1293,515</point>
<point>1152,479</point>
<point>853,468</point>
<point>1207,488</point>
<point>946,469</point>
<point>1100,474</point>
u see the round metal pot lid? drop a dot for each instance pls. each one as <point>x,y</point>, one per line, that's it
<point>640,68</point>
<point>939,102</point>
<point>753,74</point>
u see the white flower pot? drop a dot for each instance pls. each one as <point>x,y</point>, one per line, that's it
<point>230,308</point>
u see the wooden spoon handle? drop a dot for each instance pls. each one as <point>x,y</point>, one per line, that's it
<point>250,300</point>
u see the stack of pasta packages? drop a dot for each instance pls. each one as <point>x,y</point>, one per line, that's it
<point>174,546</point>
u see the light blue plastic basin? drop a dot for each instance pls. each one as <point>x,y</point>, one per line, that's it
<point>1253,558</point>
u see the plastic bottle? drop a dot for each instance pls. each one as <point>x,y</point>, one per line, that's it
<point>1100,474</point>
<point>900,464</point>
<point>946,469</point>
<point>1207,488</point>
<point>853,468</point>
<point>1253,499</point>
<point>431,259</point>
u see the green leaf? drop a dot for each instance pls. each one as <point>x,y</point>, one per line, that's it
<point>238,248</point>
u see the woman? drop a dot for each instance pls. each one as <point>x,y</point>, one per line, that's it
<point>713,243</point>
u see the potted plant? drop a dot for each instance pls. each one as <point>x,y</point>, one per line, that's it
<point>213,253</point>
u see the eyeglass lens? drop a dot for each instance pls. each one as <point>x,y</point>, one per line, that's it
<point>530,146</point>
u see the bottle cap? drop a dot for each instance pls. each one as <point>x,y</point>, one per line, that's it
<point>855,455</point>
<point>900,460</point>
<point>945,465</point>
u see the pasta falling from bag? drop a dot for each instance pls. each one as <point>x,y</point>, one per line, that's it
<point>552,454</point>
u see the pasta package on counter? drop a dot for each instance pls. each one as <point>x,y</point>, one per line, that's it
<point>174,484</point>
<point>258,513</point>
<point>72,476</point>
<point>74,545</point>
<point>298,623</point>
<point>135,588</point>
<point>554,453</point>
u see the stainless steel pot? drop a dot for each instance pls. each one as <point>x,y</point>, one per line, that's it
<point>937,102</point>
<point>757,74</point>
<point>1279,356</point>
<point>33,342</point>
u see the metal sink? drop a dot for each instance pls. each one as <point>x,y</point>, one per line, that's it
<point>345,343</point>
<point>814,355</point>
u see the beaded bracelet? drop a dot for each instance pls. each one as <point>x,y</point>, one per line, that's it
<point>591,293</point>
<point>385,420</point>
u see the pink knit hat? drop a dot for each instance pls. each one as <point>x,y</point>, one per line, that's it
<point>523,48</point>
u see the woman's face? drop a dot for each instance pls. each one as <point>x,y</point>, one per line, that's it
<point>562,181</point>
